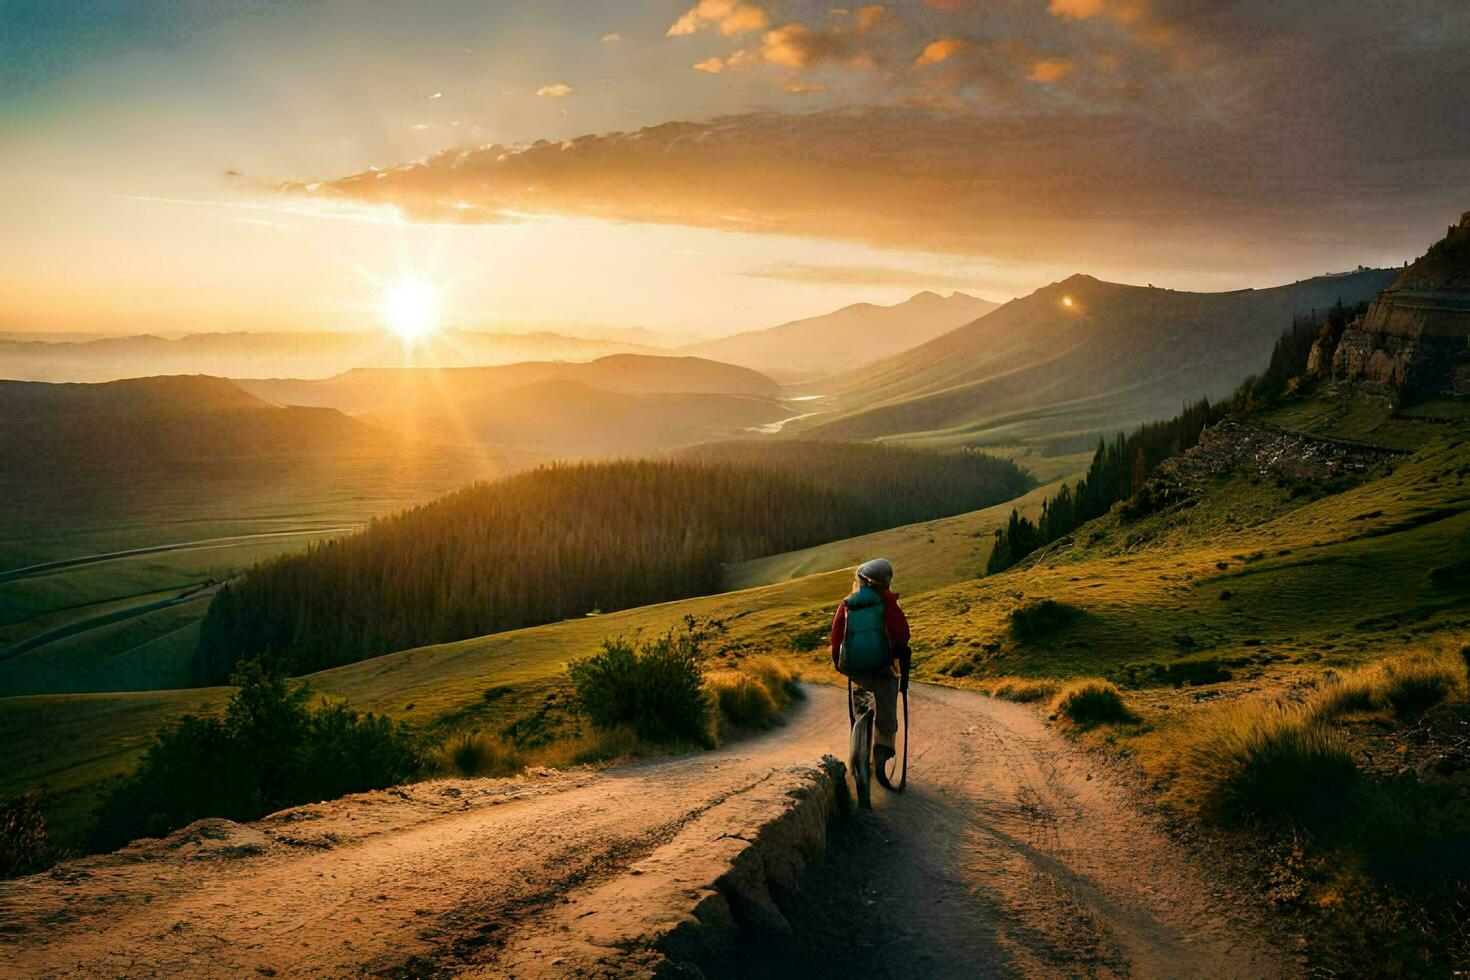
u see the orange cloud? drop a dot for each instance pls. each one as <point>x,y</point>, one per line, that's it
<point>731,17</point>
<point>868,16</point>
<point>1019,186</point>
<point>1050,70</point>
<point>941,50</point>
<point>1076,9</point>
<point>797,46</point>
<point>797,87</point>
<point>555,90</point>
<point>712,65</point>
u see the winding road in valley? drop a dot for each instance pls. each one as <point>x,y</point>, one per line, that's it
<point>1013,853</point>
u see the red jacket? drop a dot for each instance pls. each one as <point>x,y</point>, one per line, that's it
<point>894,621</point>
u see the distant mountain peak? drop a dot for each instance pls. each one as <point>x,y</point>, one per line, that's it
<point>848,337</point>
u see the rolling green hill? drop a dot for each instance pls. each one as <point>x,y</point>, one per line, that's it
<point>74,742</point>
<point>1071,360</point>
<point>207,476</point>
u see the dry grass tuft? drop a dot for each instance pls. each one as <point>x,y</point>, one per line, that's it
<point>1414,684</point>
<point>589,748</point>
<point>1091,702</point>
<point>1350,693</point>
<point>1407,685</point>
<point>477,754</point>
<point>754,694</point>
<point>1024,690</point>
<point>1258,760</point>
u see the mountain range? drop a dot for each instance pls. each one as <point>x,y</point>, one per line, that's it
<point>1073,359</point>
<point>847,338</point>
<point>616,405</point>
<point>36,357</point>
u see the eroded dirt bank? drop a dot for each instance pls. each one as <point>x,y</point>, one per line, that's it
<point>1013,853</point>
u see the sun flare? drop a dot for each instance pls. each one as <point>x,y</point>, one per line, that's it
<point>411,309</point>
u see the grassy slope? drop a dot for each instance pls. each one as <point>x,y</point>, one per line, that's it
<point>299,503</point>
<point>1040,371</point>
<point>1338,576</point>
<point>70,743</point>
<point>1342,577</point>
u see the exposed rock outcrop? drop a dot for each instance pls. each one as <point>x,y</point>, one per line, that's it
<point>1415,337</point>
<point>1264,450</point>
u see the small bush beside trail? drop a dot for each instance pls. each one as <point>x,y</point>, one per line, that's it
<point>656,688</point>
<point>272,749</point>
<point>1270,762</point>
<point>1089,703</point>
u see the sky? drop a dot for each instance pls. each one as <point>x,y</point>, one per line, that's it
<point>694,169</point>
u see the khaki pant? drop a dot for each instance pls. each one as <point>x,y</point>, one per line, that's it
<point>881,690</point>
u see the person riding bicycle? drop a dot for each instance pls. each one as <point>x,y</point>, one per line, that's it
<point>876,656</point>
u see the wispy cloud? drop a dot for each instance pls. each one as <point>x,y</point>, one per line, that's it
<point>556,90</point>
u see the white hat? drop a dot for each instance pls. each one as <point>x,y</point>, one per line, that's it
<point>878,571</point>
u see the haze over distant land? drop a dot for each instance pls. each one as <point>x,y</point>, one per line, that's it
<point>297,354</point>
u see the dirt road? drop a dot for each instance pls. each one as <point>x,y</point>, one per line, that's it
<point>1012,854</point>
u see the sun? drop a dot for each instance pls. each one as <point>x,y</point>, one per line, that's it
<point>411,309</point>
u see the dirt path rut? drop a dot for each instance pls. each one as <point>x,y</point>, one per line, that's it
<point>1012,854</point>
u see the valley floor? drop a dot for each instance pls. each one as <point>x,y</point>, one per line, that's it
<point>1013,853</point>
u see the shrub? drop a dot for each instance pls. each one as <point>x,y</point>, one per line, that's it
<point>1412,685</point>
<point>1193,672</point>
<point>656,689</point>
<point>272,749</point>
<point>477,754</point>
<point>1265,761</point>
<point>1091,702</point>
<point>1037,617</point>
<point>24,846</point>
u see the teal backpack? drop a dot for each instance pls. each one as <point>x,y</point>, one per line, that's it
<point>864,648</point>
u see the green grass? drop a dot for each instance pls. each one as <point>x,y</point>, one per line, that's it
<point>1332,580</point>
<point>930,554</point>
<point>306,503</point>
<point>1249,571</point>
<point>71,744</point>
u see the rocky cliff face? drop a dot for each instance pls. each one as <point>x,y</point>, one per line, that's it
<point>1415,337</point>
